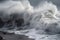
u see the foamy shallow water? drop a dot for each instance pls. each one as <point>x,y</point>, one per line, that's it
<point>33,34</point>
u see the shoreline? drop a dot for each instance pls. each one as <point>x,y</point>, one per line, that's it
<point>12,36</point>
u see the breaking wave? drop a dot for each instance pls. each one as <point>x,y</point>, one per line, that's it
<point>40,23</point>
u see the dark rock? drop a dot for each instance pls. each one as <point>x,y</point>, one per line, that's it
<point>13,16</point>
<point>2,32</point>
<point>6,33</point>
<point>9,21</point>
<point>58,33</point>
<point>1,38</point>
<point>1,23</point>
<point>47,30</point>
<point>19,22</point>
<point>12,36</point>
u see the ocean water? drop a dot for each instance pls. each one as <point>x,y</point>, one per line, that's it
<point>40,23</point>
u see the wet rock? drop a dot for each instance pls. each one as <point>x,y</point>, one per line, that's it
<point>13,16</point>
<point>5,33</point>
<point>12,36</point>
<point>19,22</point>
<point>1,32</point>
<point>17,19</point>
<point>9,21</point>
<point>1,23</point>
<point>1,38</point>
<point>47,30</point>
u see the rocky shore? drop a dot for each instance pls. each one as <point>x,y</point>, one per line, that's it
<point>12,36</point>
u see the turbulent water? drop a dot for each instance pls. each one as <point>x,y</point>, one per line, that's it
<point>40,23</point>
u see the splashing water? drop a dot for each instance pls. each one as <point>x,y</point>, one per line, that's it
<point>40,23</point>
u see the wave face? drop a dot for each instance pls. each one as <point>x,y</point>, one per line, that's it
<point>40,23</point>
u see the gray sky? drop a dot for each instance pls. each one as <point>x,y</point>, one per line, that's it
<point>36,2</point>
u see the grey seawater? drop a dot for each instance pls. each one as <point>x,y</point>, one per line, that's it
<point>40,23</point>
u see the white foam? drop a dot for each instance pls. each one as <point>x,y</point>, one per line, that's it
<point>40,18</point>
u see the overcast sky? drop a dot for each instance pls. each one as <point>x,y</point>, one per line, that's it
<point>36,2</point>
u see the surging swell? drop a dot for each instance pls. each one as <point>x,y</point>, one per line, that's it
<point>22,18</point>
